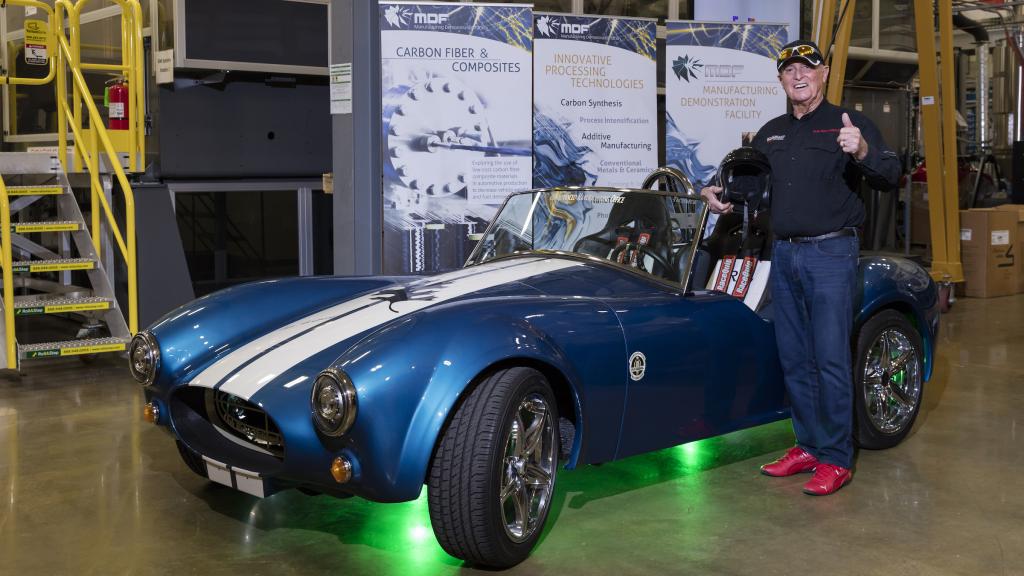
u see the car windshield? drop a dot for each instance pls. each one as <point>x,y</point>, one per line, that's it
<point>649,232</point>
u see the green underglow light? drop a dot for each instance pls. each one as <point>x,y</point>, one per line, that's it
<point>422,552</point>
<point>695,456</point>
<point>419,534</point>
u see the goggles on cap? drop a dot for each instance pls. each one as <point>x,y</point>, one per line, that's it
<point>803,50</point>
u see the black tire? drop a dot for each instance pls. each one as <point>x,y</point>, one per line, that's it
<point>887,394</point>
<point>472,465</point>
<point>193,460</point>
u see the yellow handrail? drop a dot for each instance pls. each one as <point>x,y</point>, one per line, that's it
<point>53,67</point>
<point>6,260</point>
<point>66,57</point>
<point>131,66</point>
<point>87,148</point>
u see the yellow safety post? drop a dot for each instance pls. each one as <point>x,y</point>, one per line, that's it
<point>951,266</point>
<point>824,18</point>
<point>837,75</point>
<point>6,260</point>
<point>945,265</point>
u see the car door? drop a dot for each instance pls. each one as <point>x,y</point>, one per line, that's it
<point>701,364</point>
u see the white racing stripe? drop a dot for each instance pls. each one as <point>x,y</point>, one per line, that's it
<point>223,367</point>
<point>290,350</point>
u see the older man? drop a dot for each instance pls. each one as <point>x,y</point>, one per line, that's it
<point>818,153</point>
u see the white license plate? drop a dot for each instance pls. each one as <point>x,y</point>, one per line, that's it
<point>237,478</point>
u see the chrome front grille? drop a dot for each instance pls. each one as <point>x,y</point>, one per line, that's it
<point>245,421</point>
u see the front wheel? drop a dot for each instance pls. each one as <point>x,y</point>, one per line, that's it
<point>888,373</point>
<point>493,475</point>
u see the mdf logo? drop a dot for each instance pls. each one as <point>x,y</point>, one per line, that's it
<point>427,18</point>
<point>568,28</point>
<point>723,70</point>
<point>549,27</point>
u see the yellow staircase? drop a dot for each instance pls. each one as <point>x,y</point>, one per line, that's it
<point>58,270</point>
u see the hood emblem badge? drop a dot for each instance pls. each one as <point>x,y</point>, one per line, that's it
<point>637,366</point>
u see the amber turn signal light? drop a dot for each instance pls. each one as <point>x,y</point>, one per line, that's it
<point>341,470</point>
<point>151,413</point>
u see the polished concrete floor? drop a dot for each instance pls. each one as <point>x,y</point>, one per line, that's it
<point>86,487</point>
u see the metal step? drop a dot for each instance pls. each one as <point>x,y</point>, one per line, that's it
<point>51,226</point>
<point>34,305</point>
<point>54,265</point>
<point>72,347</point>
<point>34,190</point>
<point>40,176</point>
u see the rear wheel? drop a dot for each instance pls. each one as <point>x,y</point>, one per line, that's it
<point>888,375</point>
<point>493,476</point>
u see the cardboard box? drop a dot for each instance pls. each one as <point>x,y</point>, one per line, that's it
<point>988,249</point>
<point>1018,251</point>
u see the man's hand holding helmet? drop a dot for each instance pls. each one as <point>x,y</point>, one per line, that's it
<point>711,195</point>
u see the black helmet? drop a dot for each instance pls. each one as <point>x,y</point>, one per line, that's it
<point>746,178</point>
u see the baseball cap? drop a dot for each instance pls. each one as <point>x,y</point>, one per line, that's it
<point>803,50</point>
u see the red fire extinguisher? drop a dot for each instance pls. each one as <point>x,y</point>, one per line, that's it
<point>117,104</point>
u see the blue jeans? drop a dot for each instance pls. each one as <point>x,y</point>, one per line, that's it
<point>813,287</point>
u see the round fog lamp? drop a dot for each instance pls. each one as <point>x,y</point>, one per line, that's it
<point>143,357</point>
<point>333,402</point>
<point>341,470</point>
<point>151,412</point>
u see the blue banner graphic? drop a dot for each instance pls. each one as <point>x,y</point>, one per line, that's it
<point>721,86</point>
<point>595,101</point>
<point>456,126</point>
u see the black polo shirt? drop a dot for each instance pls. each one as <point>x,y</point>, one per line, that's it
<point>814,183</point>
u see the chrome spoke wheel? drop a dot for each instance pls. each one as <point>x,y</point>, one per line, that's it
<point>892,381</point>
<point>527,471</point>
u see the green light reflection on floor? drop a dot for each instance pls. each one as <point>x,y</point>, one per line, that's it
<point>400,535</point>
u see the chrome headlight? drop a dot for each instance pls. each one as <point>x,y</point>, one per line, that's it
<point>333,402</point>
<point>144,357</point>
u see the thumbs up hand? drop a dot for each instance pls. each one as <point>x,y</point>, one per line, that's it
<point>850,139</point>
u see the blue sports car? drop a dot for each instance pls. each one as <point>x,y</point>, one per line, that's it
<point>589,324</point>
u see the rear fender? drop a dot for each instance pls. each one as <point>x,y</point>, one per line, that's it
<point>902,285</point>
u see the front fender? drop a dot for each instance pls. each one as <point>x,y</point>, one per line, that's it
<point>411,376</point>
<point>196,334</point>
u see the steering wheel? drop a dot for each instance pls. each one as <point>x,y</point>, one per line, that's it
<point>644,250</point>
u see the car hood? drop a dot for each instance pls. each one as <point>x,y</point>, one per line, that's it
<point>326,333</point>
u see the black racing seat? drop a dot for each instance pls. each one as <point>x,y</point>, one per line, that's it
<point>740,244</point>
<point>638,226</point>
<point>738,265</point>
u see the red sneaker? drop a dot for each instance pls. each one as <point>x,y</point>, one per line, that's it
<point>827,479</point>
<point>794,461</point>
